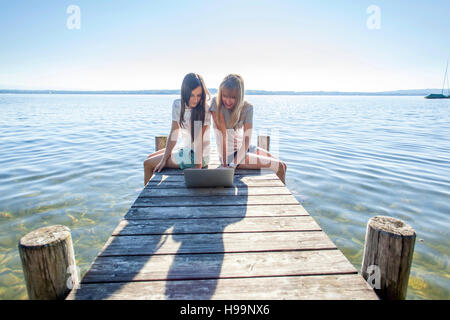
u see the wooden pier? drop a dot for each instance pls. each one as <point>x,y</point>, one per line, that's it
<point>251,241</point>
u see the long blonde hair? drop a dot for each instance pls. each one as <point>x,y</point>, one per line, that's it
<point>235,83</point>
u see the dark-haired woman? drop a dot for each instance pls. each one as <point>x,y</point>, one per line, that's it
<point>191,117</point>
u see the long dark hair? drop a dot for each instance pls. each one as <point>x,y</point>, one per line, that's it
<point>190,82</point>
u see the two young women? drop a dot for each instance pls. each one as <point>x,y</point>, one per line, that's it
<point>233,122</point>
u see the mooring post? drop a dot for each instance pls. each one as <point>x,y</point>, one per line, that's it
<point>48,263</point>
<point>160,142</point>
<point>264,142</point>
<point>387,259</point>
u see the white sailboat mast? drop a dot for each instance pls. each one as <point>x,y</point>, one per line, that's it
<point>445,78</point>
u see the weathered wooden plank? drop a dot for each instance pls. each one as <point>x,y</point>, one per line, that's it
<point>169,171</point>
<point>256,183</point>
<point>232,191</point>
<point>215,242</point>
<point>215,212</point>
<point>213,266</point>
<point>214,201</point>
<point>163,178</point>
<point>236,224</point>
<point>335,287</point>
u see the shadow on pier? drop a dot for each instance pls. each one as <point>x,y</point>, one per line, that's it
<point>167,239</point>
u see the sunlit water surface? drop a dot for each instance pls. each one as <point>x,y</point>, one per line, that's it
<point>77,160</point>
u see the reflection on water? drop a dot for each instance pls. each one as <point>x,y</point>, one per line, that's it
<point>77,160</point>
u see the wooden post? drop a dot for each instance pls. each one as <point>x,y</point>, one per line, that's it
<point>264,142</point>
<point>388,253</point>
<point>48,263</point>
<point>160,142</point>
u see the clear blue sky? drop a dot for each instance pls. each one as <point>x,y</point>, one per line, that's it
<point>275,45</point>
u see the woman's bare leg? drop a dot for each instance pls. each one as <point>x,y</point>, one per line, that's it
<point>149,165</point>
<point>157,153</point>
<point>264,152</point>
<point>152,161</point>
<point>256,161</point>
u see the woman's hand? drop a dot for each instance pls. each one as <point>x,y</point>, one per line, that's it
<point>161,165</point>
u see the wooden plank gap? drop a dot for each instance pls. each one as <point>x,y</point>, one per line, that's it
<point>214,252</point>
<point>220,217</point>
<point>227,277</point>
<point>212,205</point>
<point>213,232</point>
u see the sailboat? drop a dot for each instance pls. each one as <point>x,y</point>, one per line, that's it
<point>441,95</point>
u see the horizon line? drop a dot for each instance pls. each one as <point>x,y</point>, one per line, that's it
<point>214,90</point>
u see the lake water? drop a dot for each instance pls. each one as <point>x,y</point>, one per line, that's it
<point>77,160</point>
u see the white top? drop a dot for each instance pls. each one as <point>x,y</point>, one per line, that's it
<point>186,130</point>
<point>234,135</point>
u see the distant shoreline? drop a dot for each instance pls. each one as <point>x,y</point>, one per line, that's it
<point>419,92</point>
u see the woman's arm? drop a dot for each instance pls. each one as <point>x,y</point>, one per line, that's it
<point>198,147</point>
<point>171,142</point>
<point>245,143</point>
<point>220,125</point>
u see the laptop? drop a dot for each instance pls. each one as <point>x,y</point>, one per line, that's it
<point>202,178</point>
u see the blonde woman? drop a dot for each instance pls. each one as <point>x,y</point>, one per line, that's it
<point>191,116</point>
<point>233,121</point>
